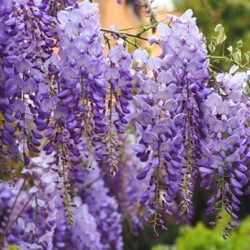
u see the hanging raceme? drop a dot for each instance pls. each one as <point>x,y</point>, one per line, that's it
<point>96,139</point>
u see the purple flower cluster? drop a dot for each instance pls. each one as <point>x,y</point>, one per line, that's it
<point>103,207</point>
<point>30,218</point>
<point>125,186</point>
<point>79,91</point>
<point>70,116</point>
<point>188,128</point>
<point>227,153</point>
<point>170,105</point>
<point>35,217</point>
<point>80,87</point>
<point>57,102</point>
<point>53,6</point>
<point>26,43</point>
<point>118,76</point>
<point>82,238</point>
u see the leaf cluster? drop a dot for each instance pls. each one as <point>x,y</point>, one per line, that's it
<point>201,237</point>
<point>233,27</point>
<point>232,55</point>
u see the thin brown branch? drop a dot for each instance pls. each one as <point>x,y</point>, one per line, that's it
<point>124,34</point>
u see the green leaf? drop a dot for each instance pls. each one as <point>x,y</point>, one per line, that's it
<point>239,44</point>
<point>230,49</point>
<point>219,28</point>
<point>211,47</point>
<point>246,56</point>
<point>221,38</point>
<point>237,56</point>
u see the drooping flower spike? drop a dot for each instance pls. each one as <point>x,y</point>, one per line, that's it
<point>66,105</point>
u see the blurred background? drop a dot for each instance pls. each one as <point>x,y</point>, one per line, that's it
<point>234,15</point>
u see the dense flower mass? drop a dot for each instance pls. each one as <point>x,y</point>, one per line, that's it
<point>187,127</point>
<point>227,153</point>
<point>91,140</point>
<point>171,104</point>
<point>26,43</point>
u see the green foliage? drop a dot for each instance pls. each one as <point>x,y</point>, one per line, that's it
<point>232,55</point>
<point>163,247</point>
<point>234,25</point>
<point>221,34</point>
<point>240,237</point>
<point>202,238</point>
<point>218,39</point>
<point>14,247</point>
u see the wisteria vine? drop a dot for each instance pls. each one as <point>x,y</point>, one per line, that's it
<point>90,139</point>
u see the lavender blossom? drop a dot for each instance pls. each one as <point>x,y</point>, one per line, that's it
<point>119,77</point>
<point>67,110</point>
<point>125,186</point>
<point>229,139</point>
<point>25,45</point>
<point>81,87</point>
<point>171,112</point>
<point>103,207</point>
<point>32,218</point>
